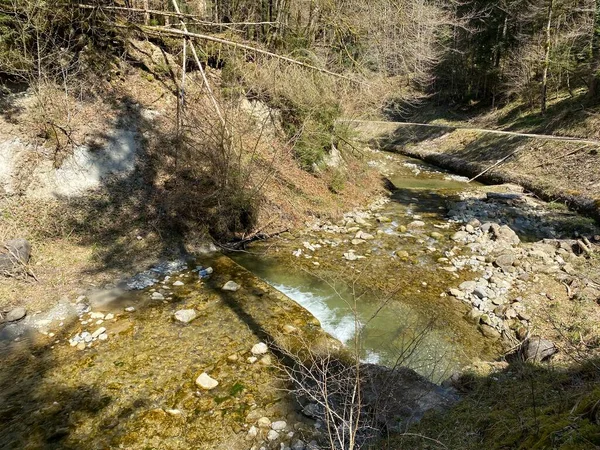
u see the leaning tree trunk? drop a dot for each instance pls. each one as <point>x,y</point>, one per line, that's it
<point>547,56</point>
<point>594,82</point>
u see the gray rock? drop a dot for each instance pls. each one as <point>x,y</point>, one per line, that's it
<point>16,253</point>
<point>16,314</point>
<point>568,268</point>
<point>157,296</point>
<point>481,292</point>
<point>505,260</point>
<point>474,223</point>
<point>260,349</point>
<point>456,293</point>
<point>460,236</point>
<point>279,425</point>
<point>538,349</point>
<point>231,286</point>
<point>468,286</point>
<point>272,435</point>
<point>185,315</point>
<point>489,331</point>
<point>504,234</point>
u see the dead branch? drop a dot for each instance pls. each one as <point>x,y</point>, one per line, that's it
<point>202,72</point>
<point>494,165</point>
<point>175,32</point>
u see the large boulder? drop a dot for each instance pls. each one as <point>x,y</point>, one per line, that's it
<point>15,254</point>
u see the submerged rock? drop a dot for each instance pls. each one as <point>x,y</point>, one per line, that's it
<point>279,425</point>
<point>185,315</point>
<point>204,381</point>
<point>231,286</point>
<point>260,349</point>
<point>415,224</point>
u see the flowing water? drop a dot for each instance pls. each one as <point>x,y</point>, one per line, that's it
<point>404,322</point>
<point>137,390</point>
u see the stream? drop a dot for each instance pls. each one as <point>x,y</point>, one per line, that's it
<point>380,325</point>
<point>121,371</point>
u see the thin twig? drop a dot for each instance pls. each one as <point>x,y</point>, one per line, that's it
<point>175,32</point>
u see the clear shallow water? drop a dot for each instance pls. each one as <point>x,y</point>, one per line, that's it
<point>383,331</point>
<point>390,330</point>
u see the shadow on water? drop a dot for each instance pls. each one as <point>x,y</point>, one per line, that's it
<point>432,189</point>
<point>37,412</point>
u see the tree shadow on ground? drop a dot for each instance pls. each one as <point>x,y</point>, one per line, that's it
<point>521,406</point>
<point>407,135</point>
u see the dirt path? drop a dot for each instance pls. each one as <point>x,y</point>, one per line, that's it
<point>547,137</point>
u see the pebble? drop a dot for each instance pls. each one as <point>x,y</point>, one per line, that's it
<point>103,337</point>
<point>96,315</point>
<point>279,425</point>
<point>109,316</point>
<point>230,286</point>
<point>185,315</point>
<point>98,332</point>
<point>253,432</point>
<point>157,296</point>
<point>130,309</point>
<point>260,349</point>
<point>266,360</point>
<point>81,346</point>
<point>178,283</point>
<point>264,422</point>
<point>272,435</point>
<point>252,359</point>
<point>206,382</point>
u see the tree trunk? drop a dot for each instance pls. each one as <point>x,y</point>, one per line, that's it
<point>594,82</point>
<point>547,56</point>
<point>146,14</point>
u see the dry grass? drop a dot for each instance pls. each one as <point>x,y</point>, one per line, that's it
<point>162,208</point>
